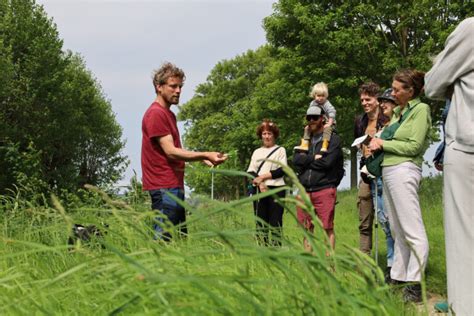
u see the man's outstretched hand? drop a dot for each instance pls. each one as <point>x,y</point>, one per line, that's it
<point>215,158</point>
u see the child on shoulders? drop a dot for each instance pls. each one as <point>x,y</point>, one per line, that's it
<point>320,94</point>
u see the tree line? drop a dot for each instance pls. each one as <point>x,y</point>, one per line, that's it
<point>343,43</point>
<point>57,128</point>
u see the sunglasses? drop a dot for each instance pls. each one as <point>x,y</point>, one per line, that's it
<point>312,117</point>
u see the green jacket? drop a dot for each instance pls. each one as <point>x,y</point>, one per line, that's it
<point>410,141</point>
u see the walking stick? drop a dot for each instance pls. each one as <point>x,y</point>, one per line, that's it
<point>376,221</point>
<point>212,183</point>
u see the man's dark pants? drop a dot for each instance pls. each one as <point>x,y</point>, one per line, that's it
<point>270,219</point>
<point>169,210</point>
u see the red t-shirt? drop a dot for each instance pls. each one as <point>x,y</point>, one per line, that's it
<point>160,172</point>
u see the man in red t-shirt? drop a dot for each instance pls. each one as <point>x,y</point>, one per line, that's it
<point>162,156</point>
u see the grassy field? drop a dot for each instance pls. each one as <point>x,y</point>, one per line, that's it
<point>218,269</point>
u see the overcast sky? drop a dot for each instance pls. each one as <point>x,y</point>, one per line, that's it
<point>122,42</point>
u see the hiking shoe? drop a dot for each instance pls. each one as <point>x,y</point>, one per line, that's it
<point>441,307</point>
<point>412,293</point>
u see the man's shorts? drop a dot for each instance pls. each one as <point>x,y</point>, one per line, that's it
<point>324,203</point>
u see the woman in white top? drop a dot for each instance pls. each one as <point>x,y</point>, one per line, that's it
<point>268,175</point>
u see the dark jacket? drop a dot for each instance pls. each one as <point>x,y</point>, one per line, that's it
<point>361,122</point>
<point>326,172</point>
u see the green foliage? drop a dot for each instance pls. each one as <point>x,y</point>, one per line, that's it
<point>222,116</point>
<point>218,269</point>
<point>23,167</point>
<point>50,101</point>
<point>226,186</point>
<point>135,194</point>
<point>347,43</point>
<point>343,43</point>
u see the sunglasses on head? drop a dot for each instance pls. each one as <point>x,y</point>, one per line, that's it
<point>312,117</point>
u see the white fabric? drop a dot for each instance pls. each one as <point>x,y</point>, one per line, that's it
<point>454,67</point>
<point>400,192</point>
<point>459,228</point>
<point>260,154</point>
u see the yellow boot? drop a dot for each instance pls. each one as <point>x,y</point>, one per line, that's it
<point>304,146</point>
<point>324,147</point>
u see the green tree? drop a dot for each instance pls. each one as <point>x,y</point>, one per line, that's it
<point>221,117</point>
<point>50,103</point>
<point>345,43</point>
<point>95,139</point>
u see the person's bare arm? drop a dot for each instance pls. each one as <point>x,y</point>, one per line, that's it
<point>171,151</point>
<point>329,122</point>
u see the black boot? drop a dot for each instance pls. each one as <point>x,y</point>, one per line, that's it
<point>412,293</point>
<point>388,279</point>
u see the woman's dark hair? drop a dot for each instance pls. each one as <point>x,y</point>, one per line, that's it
<point>268,125</point>
<point>411,78</point>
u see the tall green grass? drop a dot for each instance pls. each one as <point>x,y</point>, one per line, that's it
<point>217,269</point>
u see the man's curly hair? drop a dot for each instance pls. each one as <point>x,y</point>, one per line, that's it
<point>166,71</point>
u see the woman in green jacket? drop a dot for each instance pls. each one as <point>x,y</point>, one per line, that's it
<point>401,172</point>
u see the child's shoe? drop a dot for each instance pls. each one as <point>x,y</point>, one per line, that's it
<point>304,146</point>
<point>324,147</point>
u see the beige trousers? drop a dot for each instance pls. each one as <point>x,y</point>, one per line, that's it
<point>459,228</point>
<point>400,191</point>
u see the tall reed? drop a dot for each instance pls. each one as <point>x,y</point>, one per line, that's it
<point>218,269</point>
